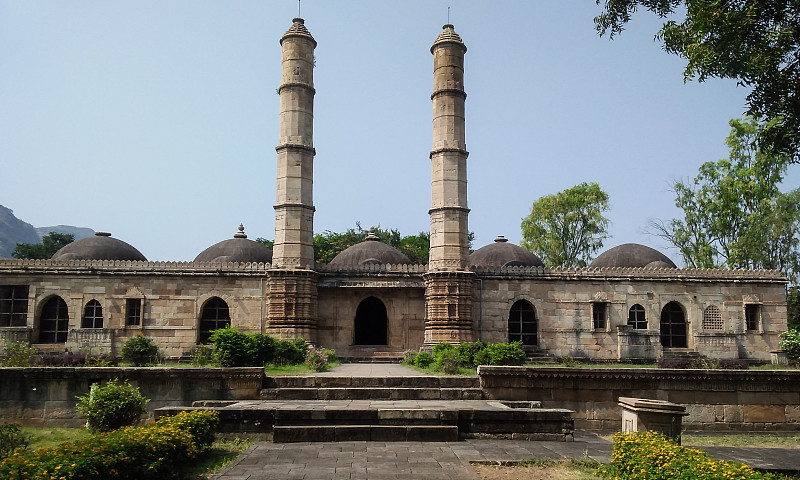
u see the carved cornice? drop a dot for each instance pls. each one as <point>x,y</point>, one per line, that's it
<point>296,146</point>
<point>304,86</point>
<point>127,267</point>
<point>456,92</point>
<point>630,273</point>
<point>449,150</point>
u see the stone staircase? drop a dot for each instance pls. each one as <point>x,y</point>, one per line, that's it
<point>325,408</point>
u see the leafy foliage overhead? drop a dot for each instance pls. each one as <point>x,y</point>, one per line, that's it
<point>566,229</point>
<point>51,243</point>
<point>755,42</point>
<point>735,215</point>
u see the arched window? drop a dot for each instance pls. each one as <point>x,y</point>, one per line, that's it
<point>215,315</point>
<point>54,321</point>
<point>712,318</point>
<point>673,326</point>
<point>522,323</point>
<point>371,325</point>
<point>636,317</point>
<point>92,315</point>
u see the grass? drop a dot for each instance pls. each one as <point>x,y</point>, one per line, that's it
<point>755,441</point>
<point>540,469</point>
<point>50,437</point>
<point>291,370</point>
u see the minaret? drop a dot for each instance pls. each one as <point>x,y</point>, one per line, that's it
<point>292,282</point>
<point>449,283</point>
<point>294,207</point>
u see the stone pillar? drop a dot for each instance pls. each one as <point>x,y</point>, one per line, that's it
<point>449,229</point>
<point>448,283</point>
<point>294,207</point>
<point>292,293</point>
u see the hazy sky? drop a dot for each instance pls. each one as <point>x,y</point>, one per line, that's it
<point>157,121</point>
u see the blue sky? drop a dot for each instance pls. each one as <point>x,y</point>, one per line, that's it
<point>157,121</point>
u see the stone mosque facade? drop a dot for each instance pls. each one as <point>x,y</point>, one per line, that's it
<point>630,304</point>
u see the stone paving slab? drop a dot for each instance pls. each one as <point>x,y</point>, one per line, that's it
<point>370,370</point>
<point>444,460</point>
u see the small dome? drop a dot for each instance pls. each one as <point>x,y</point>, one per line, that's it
<point>448,35</point>
<point>659,264</point>
<point>99,247</point>
<point>631,255</point>
<point>504,254</point>
<point>237,249</point>
<point>370,252</point>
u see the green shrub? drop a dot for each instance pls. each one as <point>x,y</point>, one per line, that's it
<point>331,354</point>
<point>12,439</point>
<point>163,450</point>
<point>290,352</point>
<point>140,351</point>
<point>441,347</point>
<point>232,348</point>
<point>18,354</point>
<point>448,361</point>
<point>790,343</point>
<point>262,349</point>
<point>650,456</point>
<point>202,355</point>
<point>423,360</point>
<point>316,359</point>
<point>111,406</point>
<point>501,354</point>
<point>467,352</point>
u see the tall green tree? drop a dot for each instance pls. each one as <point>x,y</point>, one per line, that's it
<point>566,229</point>
<point>51,243</point>
<point>734,214</point>
<point>755,42</point>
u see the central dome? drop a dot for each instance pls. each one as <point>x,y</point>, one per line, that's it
<point>237,249</point>
<point>370,252</point>
<point>632,255</point>
<point>504,254</point>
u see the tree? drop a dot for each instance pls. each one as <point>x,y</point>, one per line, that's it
<point>51,243</point>
<point>752,41</point>
<point>735,216</point>
<point>568,228</point>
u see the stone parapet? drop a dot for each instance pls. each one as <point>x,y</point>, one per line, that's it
<point>631,274</point>
<point>46,395</point>
<point>720,400</point>
<point>128,267</point>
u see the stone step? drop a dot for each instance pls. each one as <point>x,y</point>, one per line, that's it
<point>358,433</point>
<point>326,381</point>
<point>370,393</point>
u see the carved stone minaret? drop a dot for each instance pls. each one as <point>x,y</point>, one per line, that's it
<point>294,207</point>
<point>448,283</point>
<point>292,282</point>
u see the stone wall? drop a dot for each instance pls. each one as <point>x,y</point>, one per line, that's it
<point>716,400</point>
<point>46,396</point>
<point>563,301</point>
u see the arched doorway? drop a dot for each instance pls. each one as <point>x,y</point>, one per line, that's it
<point>371,326</point>
<point>215,315</point>
<point>522,323</point>
<point>673,326</point>
<point>54,321</point>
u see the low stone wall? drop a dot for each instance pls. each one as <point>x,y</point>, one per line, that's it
<point>745,400</point>
<point>46,396</point>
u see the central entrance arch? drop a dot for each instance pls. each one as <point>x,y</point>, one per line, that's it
<point>371,326</point>
<point>673,326</point>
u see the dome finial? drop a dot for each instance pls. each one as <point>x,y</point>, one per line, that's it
<point>371,235</point>
<point>500,239</point>
<point>240,233</point>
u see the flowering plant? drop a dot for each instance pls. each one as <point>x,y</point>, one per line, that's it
<point>316,359</point>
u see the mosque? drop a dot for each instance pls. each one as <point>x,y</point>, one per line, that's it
<point>630,304</point>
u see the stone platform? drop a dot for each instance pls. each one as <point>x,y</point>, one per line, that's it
<point>388,420</point>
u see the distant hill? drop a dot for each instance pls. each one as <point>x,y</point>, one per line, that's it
<point>14,231</point>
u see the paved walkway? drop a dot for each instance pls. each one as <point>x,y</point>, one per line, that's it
<point>443,460</point>
<point>369,370</point>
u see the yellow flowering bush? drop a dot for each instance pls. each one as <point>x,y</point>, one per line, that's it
<point>651,456</point>
<point>161,450</point>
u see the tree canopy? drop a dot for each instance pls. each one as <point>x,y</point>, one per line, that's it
<point>755,42</point>
<point>734,214</point>
<point>328,244</point>
<point>51,243</point>
<point>568,228</point>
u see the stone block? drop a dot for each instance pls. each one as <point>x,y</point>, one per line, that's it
<point>307,433</point>
<point>793,413</point>
<point>764,413</point>
<point>352,433</point>
<point>438,433</point>
<point>387,433</point>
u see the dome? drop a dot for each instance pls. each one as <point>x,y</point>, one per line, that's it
<point>237,249</point>
<point>504,254</point>
<point>370,252</point>
<point>99,247</point>
<point>632,255</point>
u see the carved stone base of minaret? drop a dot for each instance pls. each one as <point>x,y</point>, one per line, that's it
<point>292,309</point>
<point>448,296</point>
